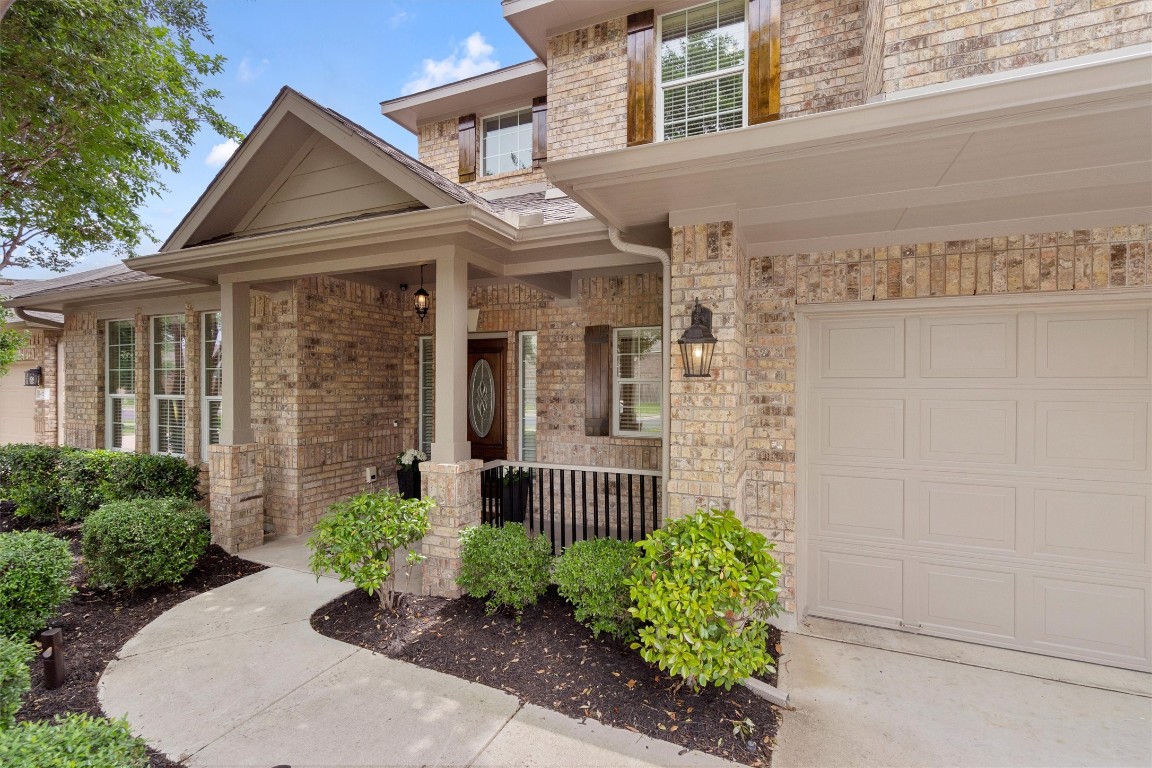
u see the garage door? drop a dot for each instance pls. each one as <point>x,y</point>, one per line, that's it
<point>17,407</point>
<point>981,472</point>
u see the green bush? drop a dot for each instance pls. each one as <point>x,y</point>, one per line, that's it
<point>15,680</point>
<point>141,543</point>
<point>592,575</point>
<point>34,571</point>
<point>504,565</point>
<point>74,741</point>
<point>28,479</point>
<point>704,588</point>
<point>359,537</point>
<point>83,479</point>
<point>149,476</point>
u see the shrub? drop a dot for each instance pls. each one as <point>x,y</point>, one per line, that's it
<point>359,537</point>
<point>149,476</point>
<point>704,587</point>
<point>133,544</point>
<point>504,565</point>
<point>34,571</point>
<point>15,680</point>
<point>592,576</point>
<point>74,741</point>
<point>83,478</point>
<point>29,480</point>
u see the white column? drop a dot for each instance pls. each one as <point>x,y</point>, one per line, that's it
<point>236,404</point>
<point>451,445</point>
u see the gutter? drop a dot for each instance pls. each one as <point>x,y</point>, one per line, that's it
<point>22,313</point>
<point>665,259</point>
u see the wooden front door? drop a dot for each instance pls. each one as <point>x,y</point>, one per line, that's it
<point>486,413</point>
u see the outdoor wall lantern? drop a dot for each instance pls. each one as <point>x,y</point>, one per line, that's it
<point>697,344</point>
<point>422,298</point>
<point>33,377</point>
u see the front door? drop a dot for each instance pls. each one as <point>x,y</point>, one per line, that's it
<point>485,384</point>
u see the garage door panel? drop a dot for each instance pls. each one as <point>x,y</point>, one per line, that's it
<point>1092,345</point>
<point>969,599</point>
<point>967,347</point>
<point>866,428</point>
<point>17,407</point>
<point>1091,526</point>
<point>870,588</point>
<point>861,506</point>
<point>1090,618</point>
<point>1106,436</point>
<point>968,515</point>
<point>981,431</point>
<point>862,349</point>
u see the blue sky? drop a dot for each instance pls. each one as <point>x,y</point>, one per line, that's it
<point>346,54</point>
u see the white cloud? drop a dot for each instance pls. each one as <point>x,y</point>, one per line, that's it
<point>398,18</point>
<point>473,57</point>
<point>220,153</point>
<point>247,71</point>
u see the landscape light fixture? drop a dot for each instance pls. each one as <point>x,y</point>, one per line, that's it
<point>697,344</point>
<point>422,298</point>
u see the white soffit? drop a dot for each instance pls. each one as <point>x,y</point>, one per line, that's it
<point>1066,147</point>
<point>489,93</point>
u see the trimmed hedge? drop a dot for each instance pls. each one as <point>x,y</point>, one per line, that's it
<point>592,576</point>
<point>141,543</point>
<point>15,677</point>
<point>28,478</point>
<point>504,566</point>
<point>34,571</point>
<point>74,741</point>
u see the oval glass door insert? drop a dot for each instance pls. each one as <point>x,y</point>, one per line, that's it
<point>481,398</point>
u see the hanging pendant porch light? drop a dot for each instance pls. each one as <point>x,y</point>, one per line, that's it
<point>422,299</point>
<point>697,344</point>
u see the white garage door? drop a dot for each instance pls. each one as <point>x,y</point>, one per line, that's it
<point>17,407</point>
<point>981,472</point>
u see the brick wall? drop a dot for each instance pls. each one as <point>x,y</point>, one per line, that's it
<point>928,42</point>
<point>821,58</point>
<point>439,149</point>
<point>83,341</point>
<point>588,90</point>
<point>41,351</point>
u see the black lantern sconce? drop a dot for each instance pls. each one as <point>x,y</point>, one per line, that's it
<point>33,377</point>
<point>697,344</point>
<point>422,298</point>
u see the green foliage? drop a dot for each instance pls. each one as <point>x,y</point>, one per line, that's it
<point>34,571</point>
<point>28,479</point>
<point>141,543</point>
<point>704,587</point>
<point>359,537</point>
<point>15,680</point>
<point>592,575</point>
<point>11,342</point>
<point>74,741</point>
<point>100,96</point>
<point>149,476</point>
<point>504,565</point>
<point>82,478</point>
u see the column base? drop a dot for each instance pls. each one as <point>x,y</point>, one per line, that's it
<point>456,491</point>
<point>236,482</point>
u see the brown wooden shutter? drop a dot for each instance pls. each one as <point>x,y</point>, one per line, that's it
<point>597,380</point>
<point>763,61</point>
<point>539,130</point>
<point>469,144</point>
<point>641,77</point>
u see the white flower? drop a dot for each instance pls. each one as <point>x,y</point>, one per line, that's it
<point>412,454</point>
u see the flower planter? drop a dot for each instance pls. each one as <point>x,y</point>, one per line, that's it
<point>408,481</point>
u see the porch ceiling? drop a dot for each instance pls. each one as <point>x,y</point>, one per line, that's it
<point>1067,146</point>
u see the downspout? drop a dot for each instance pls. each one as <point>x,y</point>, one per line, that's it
<point>23,315</point>
<point>666,345</point>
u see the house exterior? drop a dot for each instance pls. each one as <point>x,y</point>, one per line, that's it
<point>921,228</point>
<point>28,405</point>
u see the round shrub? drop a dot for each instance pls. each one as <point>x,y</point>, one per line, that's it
<point>34,571</point>
<point>15,679</point>
<point>28,479</point>
<point>704,587</point>
<point>504,566</point>
<point>74,741</point>
<point>141,543</point>
<point>592,576</point>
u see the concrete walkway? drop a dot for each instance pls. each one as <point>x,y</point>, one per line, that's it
<point>237,677</point>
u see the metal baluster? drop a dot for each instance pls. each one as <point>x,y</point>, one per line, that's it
<point>584,500</point>
<point>552,506</point>
<point>596,502</point>
<point>643,507</point>
<point>619,508</point>
<point>630,536</point>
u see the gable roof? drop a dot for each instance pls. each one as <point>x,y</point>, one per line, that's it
<point>278,143</point>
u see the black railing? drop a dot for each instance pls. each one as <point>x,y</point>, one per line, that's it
<point>569,504</point>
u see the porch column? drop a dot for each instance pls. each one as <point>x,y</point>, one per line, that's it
<point>451,445</point>
<point>236,465</point>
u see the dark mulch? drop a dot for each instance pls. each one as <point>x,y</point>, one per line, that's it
<point>552,661</point>
<point>96,624</point>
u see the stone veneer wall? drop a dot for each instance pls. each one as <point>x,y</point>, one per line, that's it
<point>439,149</point>
<point>83,341</point>
<point>1058,261</point>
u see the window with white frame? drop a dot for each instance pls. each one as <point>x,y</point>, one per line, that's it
<point>528,353</point>
<point>702,63</point>
<point>213,378</point>
<point>120,386</point>
<point>168,384</point>
<point>506,142</point>
<point>636,382</point>
<point>427,403</point>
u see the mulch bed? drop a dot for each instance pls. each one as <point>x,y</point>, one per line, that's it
<point>97,623</point>
<point>550,660</point>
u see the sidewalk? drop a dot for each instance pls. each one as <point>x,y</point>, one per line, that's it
<point>237,677</point>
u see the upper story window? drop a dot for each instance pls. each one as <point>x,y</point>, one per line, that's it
<point>702,69</point>
<point>506,142</point>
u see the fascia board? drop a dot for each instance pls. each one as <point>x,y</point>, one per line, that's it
<point>475,94</point>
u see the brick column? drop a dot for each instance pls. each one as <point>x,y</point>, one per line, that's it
<point>84,351</point>
<point>237,498</point>
<point>456,489</point>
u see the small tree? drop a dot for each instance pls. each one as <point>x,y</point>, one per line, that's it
<point>359,537</point>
